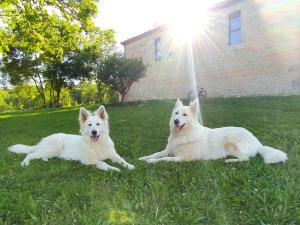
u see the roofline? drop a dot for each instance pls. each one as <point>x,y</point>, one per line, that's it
<point>217,6</point>
<point>137,37</point>
<point>224,4</point>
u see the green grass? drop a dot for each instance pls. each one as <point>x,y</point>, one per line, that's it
<point>212,192</point>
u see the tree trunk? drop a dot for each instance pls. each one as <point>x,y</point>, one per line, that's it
<point>58,91</point>
<point>40,89</point>
<point>51,94</point>
<point>99,92</point>
<point>122,97</point>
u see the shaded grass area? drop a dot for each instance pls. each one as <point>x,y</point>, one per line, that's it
<point>66,192</point>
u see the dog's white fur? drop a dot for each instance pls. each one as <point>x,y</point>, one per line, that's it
<point>92,147</point>
<point>189,140</point>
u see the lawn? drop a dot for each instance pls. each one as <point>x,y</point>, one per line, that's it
<point>202,192</point>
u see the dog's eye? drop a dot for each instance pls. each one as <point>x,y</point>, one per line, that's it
<point>176,113</point>
<point>184,114</point>
<point>97,124</point>
<point>90,124</point>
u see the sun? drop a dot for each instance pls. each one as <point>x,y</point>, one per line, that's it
<point>187,19</point>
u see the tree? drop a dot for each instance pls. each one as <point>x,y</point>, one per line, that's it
<point>22,68</point>
<point>120,72</point>
<point>61,74</point>
<point>47,27</point>
<point>88,92</point>
<point>40,39</point>
<point>96,47</point>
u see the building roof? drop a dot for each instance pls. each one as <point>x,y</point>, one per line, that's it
<point>225,4</point>
<point>217,6</point>
<point>140,36</point>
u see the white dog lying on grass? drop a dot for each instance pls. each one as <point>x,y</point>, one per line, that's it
<point>91,148</point>
<point>189,140</point>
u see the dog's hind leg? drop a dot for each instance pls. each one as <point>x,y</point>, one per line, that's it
<point>233,160</point>
<point>31,156</point>
<point>165,159</point>
<point>236,150</point>
<point>118,159</point>
<point>45,150</point>
<point>156,155</point>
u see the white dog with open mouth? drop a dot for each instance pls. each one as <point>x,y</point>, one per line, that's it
<point>189,140</point>
<point>92,147</point>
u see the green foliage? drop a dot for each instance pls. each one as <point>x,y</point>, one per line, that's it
<point>191,193</point>
<point>88,92</point>
<point>119,72</point>
<point>27,97</point>
<point>4,37</point>
<point>4,105</point>
<point>97,44</point>
<point>47,28</point>
<point>106,93</point>
<point>50,43</point>
<point>61,74</point>
<point>24,97</point>
<point>21,68</point>
<point>65,98</point>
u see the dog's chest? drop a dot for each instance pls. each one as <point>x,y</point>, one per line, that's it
<point>188,151</point>
<point>104,151</point>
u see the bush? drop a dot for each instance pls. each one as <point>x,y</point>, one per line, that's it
<point>4,105</point>
<point>26,96</point>
<point>65,98</point>
<point>88,92</point>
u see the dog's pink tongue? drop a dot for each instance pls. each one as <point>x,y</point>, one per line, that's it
<point>178,129</point>
<point>95,138</point>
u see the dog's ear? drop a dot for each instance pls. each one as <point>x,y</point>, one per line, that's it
<point>101,112</point>
<point>194,105</point>
<point>178,103</point>
<point>83,115</point>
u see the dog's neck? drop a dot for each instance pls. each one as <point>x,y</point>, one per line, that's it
<point>185,137</point>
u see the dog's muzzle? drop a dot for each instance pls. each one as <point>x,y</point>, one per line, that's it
<point>94,137</point>
<point>178,128</point>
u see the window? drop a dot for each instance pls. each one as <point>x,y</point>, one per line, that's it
<point>157,49</point>
<point>235,35</point>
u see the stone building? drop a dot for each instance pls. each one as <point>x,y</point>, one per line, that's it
<point>246,48</point>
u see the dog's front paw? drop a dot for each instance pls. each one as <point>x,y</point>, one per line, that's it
<point>130,167</point>
<point>144,158</point>
<point>151,161</point>
<point>114,169</point>
<point>25,163</point>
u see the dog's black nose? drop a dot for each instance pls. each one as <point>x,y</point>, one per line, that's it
<point>94,132</point>
<point>176,122</point>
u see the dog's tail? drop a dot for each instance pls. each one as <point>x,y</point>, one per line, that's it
<point>272,155</point>
<point>21,149</point>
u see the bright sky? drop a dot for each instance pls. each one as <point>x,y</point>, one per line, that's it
<point>132,17</point>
